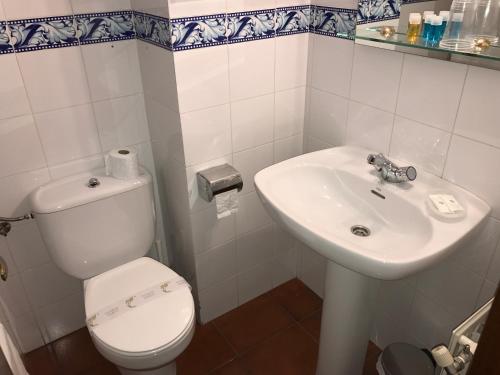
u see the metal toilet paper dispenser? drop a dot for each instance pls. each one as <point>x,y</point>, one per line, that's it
<point>218,180</point>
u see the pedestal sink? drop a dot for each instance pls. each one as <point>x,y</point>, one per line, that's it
<point>369,230</point>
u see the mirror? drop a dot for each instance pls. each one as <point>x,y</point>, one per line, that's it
<point>384,24</point>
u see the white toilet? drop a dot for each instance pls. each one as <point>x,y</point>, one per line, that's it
<point>140,313</point>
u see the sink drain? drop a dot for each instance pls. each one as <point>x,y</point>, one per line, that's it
<point>360,230</point>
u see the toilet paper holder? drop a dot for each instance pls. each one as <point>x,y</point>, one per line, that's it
<point>218,180</point>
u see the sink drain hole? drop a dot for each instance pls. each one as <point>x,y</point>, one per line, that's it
<point>360,230</point>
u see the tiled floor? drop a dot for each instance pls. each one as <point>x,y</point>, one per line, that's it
<point>275,334</point>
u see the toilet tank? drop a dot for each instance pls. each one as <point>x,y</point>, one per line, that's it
<point>89,230</point>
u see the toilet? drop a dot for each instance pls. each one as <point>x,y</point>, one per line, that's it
<point>140,313</point>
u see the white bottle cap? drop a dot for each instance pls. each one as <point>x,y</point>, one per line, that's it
<point>445,14</point>
<point>457,17</point>
<point>415,18</point>
<point>437,20</point>
<point>428,18</point>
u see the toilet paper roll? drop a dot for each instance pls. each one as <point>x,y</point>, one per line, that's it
<point>227,203</point>
<point>122,163</point>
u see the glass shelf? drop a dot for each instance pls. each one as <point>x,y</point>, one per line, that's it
<point>398,39</point>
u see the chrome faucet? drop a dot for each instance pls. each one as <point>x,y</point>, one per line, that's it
<point>391,172</point>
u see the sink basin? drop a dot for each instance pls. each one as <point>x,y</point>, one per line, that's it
<point>320,196</point>
<point>369,230</point>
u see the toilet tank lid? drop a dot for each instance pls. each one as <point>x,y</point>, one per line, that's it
<point>73,191</point>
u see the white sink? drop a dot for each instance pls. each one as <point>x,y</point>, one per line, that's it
<point>319,197</point>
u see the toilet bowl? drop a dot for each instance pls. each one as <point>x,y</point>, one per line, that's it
<point>145,339</point>
<point>140,313</point>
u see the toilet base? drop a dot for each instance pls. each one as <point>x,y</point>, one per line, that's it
<point>164,370</point>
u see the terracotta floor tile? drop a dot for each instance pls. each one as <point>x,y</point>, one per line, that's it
<point>253,322</point>
<point>372,354</point>
<point>297,298</point>
<point>41,361</point>
<point>105,368</point>
<point>312,324</point>
<point>207,351</point>
<point>232,368</point>
<point>290,352</point>
<point>76,352</point>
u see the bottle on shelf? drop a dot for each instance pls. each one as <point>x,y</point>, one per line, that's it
<point>414,23</point>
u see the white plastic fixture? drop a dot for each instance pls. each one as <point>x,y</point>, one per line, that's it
<point>319,198</point>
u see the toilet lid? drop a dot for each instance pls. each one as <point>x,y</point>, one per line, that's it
<point>147,327</point>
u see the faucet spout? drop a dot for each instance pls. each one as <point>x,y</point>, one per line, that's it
<point>391,172</point>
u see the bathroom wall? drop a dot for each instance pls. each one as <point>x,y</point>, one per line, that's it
<point>238,97</point>
<point>60,110</point>
<point>439,116</point>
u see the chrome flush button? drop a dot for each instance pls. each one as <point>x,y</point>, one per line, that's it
<point>93,182</point>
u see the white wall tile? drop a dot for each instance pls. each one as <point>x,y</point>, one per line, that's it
<point>14,297</point>
<point>202,87</point>
<point>47,284</point>
<point>291,61</point>
<point>328,117</point>
<point>27,247</point>
<point>206,134</point>
<point>16,9</point>
<point>464,160</point>
<point>430,91</point>
<point>289,114</point>
<point>254,282</point>
<point>251,128</point>
<point>59,70</point>
<point>27,332</point>
<point>493,274</point>
<point>312,144</point>
<point>487,292</point>
<point>288,148</point>
<point>477,253</point>
<point>209,232</point>
<point>218,299</point>
<point>13,98</point>
<point>312,269</point>
<point>122,121</point>
<point>477,117</point>
<point>63,317</point>
<point>251,161</point>
<point>112,69</point>
<point>14,191</point>
<point>255,248</point>
<point>331,64</point>
<point>439,283</point>
<point>183,8</point>
<point>369,127</point>
<point>251,214</point>
<point>395,298</point>
<point>20,146</point>
<point>420,144</point>
<point>68,134</point>
<point>375,77</point>
<point>349,4</point>
<point>93,6</point>
<point>246,5</point>
<point>216,265</point>
<point>91,163</point>
<point>251,68</point>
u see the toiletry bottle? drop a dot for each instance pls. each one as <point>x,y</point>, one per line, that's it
<point>414,26</point>
<point>456,24</point>
<point>426,23</point>
<point>446,17</point>
<point>435,32</point>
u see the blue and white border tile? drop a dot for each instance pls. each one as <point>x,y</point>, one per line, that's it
<point>293,20</point>
<point>153,29</point>
<point>5,46</point>
<point>105,27</point>
<point>247,26</point>
<point>197,32</point>
<point>43,33</point>
<point>377,10</point>
<point>335,22</point>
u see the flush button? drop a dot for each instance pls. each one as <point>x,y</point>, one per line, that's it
<point>93,182</point>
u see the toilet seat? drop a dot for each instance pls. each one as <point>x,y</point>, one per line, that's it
<point>159,328</point>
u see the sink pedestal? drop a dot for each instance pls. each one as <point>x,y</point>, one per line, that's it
<point>348,309</point>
